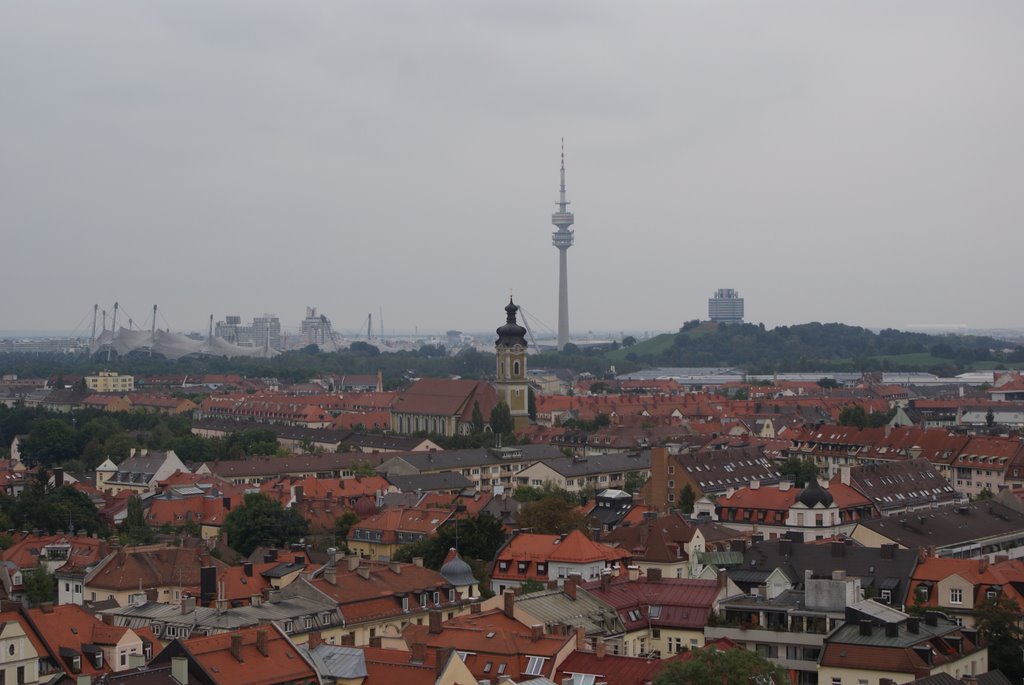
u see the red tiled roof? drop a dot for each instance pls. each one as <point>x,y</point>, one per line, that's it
<point>70,626</point>
<point>444,397</point>
<point>620,670</point>
<point>282,663</point>
<point>494,638</point>
<point>685,603</point>
<point>532,548</point>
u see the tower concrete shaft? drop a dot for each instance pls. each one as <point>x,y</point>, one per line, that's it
<point>563,239</point>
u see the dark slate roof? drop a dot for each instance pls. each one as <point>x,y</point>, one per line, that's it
<point>994,677</point>
<point>460,459</point>
<point>901,484</point>
<point>887,569</point>
<point>429,482</point>
<point>949,526</point>
<point>717,470</point>
<point>574,467</point>
<point>269,467</point>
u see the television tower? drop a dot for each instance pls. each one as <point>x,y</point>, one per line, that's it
<point>562,239</point>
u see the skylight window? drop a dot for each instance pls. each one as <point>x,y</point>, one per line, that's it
<point>535,665</point>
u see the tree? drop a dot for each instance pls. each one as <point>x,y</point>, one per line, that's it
<point>529,493</point>
<point>52,509</point>
<point>477,418</point>
<point>990,418</point>
<point>800,471</point>
<point>477,537</point>
<point>363,468</point>
<point>135,529</point>
<point>628,341</point>
<point>687,498</point>
<point>263,521</point>
<point>342,525</point>
<point>999,622</point>
<point>634,481</point>
<point>984,495</point>
<point>501,419</point>
<point>729,667</point>
<point>531,403</point>
<point>552,516</point>
<point>531,585</point>
<point>828,383</point>
<point>853,415</point>
<point>40,585</point>
<point>49,443</point>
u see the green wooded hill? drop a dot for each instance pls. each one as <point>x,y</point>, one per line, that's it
<point>820,347</point>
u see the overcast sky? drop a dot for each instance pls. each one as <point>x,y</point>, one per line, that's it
<point>858,162</point>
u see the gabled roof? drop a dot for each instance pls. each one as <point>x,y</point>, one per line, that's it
<point>492,638</point>
<point>681,603</point>
<point>67,628</point>
<point>948,526</point>
<point>445,397</point>
<point>277,661</point>
<point>660,540</point>
<point>621,670</point>
<point>573,548</point>
<point>150,566</point>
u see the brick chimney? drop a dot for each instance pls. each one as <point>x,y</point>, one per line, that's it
<point>509,607</point>
<point>600,649</point>
<point>982,565</point>
<point>315,639</point>
<point>236,646</point>
<point>418,652</point>
<point>536,632</point>
<point>581,638</point>
<point>654,574</point>
<point>570,587</point>
<point>261,642</point>
<point>606,581</point>
<point>435,622</point>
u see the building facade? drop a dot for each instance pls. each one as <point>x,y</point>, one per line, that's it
<point>726,306</point>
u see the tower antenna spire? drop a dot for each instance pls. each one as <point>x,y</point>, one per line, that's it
<point>563,240</point>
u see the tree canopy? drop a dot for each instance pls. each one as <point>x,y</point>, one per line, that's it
<point>476,537</point>
<point>712,666</point>
<point>800,471</point>
<point>999,622</point>
<point>552,516</point>
<point>263,521</point>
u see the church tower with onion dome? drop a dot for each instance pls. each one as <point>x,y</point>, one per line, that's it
<point>510,353</point>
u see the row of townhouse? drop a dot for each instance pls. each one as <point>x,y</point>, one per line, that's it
<point>971,463</point>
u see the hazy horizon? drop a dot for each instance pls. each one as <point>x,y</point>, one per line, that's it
<point>852,162</point>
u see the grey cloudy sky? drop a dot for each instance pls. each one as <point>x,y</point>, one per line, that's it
<point>856,162</point>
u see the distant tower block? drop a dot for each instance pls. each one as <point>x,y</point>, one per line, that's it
<point>510,353</point>
<point>563,240</point>
<point>726,306</point>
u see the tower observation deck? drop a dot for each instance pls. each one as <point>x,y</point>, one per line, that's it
<point>563,239</point>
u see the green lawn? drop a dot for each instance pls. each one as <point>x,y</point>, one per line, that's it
<point>655,345</point>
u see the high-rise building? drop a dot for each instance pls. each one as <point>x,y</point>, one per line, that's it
<point>726,306</point>
<point>264,332</point>
<point>563,240</point>
<point>316,329</point>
